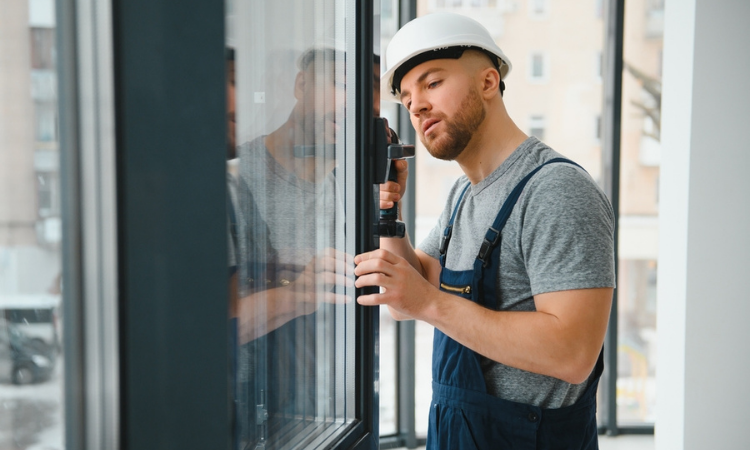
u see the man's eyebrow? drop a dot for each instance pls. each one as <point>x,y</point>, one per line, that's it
<point>421,78</point>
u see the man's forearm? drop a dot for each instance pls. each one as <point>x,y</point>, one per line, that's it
<point>562,341</point>
<point>264,311</point>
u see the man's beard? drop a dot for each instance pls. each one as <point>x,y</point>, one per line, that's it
<point>459,130</point>
<point>318,128</point>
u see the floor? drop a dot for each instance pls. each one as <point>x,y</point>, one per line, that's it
<point>626,442</point>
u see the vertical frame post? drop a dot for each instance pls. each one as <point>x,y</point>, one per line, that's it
<point>612,119</point>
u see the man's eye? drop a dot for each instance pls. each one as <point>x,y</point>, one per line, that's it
<point>433,84</point>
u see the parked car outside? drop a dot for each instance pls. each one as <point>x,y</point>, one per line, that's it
<point>24,360</point>
<point>36,316</point>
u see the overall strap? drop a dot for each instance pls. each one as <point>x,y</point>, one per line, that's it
<point>449,229</point>
<point>492,236</point>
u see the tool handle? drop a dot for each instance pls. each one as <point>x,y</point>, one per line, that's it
<point>392,212</point>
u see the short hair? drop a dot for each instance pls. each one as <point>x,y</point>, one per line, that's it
<point>318,54</point>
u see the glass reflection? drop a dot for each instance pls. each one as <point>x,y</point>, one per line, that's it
<point>291,273</point>
<point>289,218</point>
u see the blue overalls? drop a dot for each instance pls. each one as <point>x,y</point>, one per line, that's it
<point>463,415</point>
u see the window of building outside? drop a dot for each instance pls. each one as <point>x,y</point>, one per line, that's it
<point>537,127</point>
<point>538,9</point>
<point>538,67</point>
<point>483,3</point>
<point>30,256</point>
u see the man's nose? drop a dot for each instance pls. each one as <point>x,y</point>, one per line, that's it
<point>419,103</point>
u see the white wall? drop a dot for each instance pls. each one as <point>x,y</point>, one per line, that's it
<point>704,307</point>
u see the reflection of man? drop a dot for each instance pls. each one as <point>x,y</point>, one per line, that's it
<point>291,211</point>
<point>289,224</point>
<point>519,294</point>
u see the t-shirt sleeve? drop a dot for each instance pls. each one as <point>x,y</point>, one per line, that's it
<point>568,231</point>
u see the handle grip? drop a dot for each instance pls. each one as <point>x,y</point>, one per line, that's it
<point>388,150</point>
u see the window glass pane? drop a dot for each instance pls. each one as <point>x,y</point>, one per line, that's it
<point>388,376</point>
<point>639,209</point>
<point>389,20</point>
<point>563,109</point>
<point>30,231</point>
<point>291,64</point>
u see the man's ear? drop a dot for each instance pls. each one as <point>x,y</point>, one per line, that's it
<point>299,84</point>
<point>490,79</point>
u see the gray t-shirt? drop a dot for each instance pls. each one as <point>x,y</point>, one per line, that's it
<point>283,219</point>
<point>559,236</point>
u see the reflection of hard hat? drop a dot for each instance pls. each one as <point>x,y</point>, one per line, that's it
<point>325,49</point>
<point>435,36</point>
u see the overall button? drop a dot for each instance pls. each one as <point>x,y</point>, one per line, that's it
<point>533,417</point>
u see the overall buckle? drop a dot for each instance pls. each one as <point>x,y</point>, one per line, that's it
<point>491,238</point>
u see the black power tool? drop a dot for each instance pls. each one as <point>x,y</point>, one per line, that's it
<point>388,150</point>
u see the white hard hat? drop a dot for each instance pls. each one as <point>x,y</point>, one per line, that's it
<point>432,37</point>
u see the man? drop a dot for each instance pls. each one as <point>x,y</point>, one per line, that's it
<point>520,294</point>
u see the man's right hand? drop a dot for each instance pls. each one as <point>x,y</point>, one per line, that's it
<point>393,191</point>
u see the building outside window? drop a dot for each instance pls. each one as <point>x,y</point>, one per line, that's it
<point>538,67</point>
<point>537,126</point>
<point>538,9</point>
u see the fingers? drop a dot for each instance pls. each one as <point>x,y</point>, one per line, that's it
<point>402,171</point>
<point>333,260</point>
<point>374,259</point>
<point>330,279</point>
<point>402,165</point>
<point>370,300</point>
<point>375,268</point>
<point>372,279</point>
<point>390,192</point>
<point>335,298</point>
